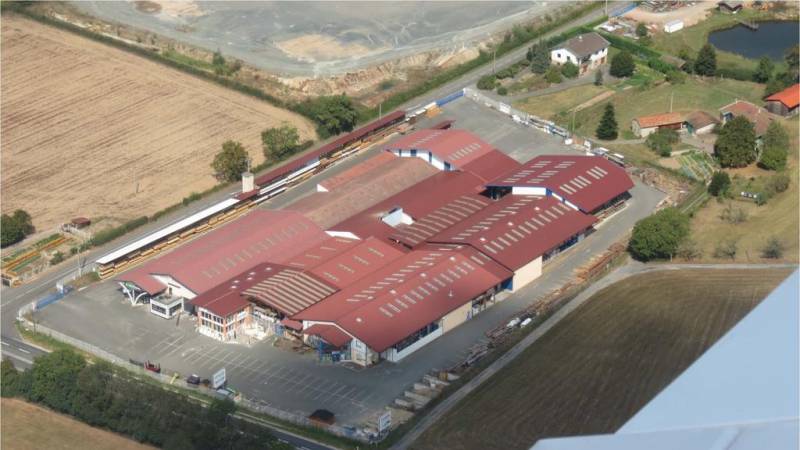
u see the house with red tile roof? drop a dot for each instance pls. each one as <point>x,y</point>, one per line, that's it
<point>644,126</point>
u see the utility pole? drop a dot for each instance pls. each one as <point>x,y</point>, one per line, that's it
<point>494,60</point>
<point>671,97</point>
<point>380,110</point>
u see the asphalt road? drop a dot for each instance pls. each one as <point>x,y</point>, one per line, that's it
<point>19,352</point>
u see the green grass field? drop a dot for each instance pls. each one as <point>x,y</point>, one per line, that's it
<point>603,362</point>
<point>694,94</point>
<point>548,106</point>
<point>777,218</point>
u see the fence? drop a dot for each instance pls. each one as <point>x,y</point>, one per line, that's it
<point>449,98</point>
<point>517,115</point>
<point>168,377</point>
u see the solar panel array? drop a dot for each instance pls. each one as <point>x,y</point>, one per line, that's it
<point>289,291</point>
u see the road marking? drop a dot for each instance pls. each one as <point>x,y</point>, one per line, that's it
<point>23,350</point>
<point>5,343</point>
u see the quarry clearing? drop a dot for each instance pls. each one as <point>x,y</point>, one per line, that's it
<point>83,124</point>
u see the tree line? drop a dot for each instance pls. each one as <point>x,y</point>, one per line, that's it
<point>105,397</point>
<point>14,227</point>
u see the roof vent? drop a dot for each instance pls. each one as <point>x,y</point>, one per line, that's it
<point>483,239</point>
<point>536,208</point>
<point>423,274</point>
<point>450,294</point>
<point>452,258</point>
<point>358,319</point>
<point>393,292</point>
<point>511,224</point>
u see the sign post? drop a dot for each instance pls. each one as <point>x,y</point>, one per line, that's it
<point>384,421</point>
<point>219,379</point>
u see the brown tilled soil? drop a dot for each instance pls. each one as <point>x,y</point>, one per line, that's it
<point>82,123</point>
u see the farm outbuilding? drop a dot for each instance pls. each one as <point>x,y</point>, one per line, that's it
<point>784,103</point>
<point>700,122</point>
<point>759,117</point>
<point>673,26</point>
<point>646,125</point>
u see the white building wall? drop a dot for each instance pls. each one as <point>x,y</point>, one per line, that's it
<point>562,55</point>
<point>526,274</point>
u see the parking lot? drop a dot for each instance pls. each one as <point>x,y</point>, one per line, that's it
<point>299,383</point>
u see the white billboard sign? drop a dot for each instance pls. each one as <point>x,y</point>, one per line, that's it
<point>219,379</point>
<point>384,421</point>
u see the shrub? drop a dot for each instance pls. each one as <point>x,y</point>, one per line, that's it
<point>776,147</point>
<point>598,78</point>
<point>502,90</point>
<point>676,76</point>
<point>553,75</point>
<point>773,248</point>
<point>662,140</point>
<point>689,250</point>
<point>569,70</point>
<point>726,249</point>
<point>487,82</point>
<point>57,258</point>
<point>733,214</point>
<point>720,183</point>
<point>622,65</point>
<point>658,236</point>
<point>779,183</point>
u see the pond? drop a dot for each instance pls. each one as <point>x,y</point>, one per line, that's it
<point>771,39</point>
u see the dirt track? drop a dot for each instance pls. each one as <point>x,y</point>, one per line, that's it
<point>82,123</point>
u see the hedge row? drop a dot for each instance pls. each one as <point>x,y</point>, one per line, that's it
<point>109,234</point>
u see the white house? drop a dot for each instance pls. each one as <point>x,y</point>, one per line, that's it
<point>673,26</point>
<point>587,51</point>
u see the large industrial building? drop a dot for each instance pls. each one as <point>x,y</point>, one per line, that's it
<point>389,255</point>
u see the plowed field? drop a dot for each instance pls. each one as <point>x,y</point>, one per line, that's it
<point>598,366</point>
<point>84,123</point>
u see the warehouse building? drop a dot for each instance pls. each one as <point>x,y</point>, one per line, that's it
<point>520,232</point>
<point>590,184</point>
<point>448,149</point>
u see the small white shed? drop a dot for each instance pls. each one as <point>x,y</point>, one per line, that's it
<point>673,26</point>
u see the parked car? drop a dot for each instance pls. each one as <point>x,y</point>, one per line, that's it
<point>193,380</point>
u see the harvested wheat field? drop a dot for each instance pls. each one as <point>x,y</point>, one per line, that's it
<point>24,423</point>
<point>83,123</point>
<point>599,365</point>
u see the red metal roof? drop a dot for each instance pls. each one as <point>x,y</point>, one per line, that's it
<point>328,208</point>
<point>329,333</point>
<point>440,219</point>
<point>260,236</point>
<point>322,252</point>
<point>293,324</point>
<point>492,165</point>
<point>356,171</point>
<point>517,229</point>
<point>330,147</point>
<point>458,147</point>
<point>585,181</point>
<point>226,298</point>
<point>288,290</point>
<point>144,280</point>
<point>416,201</point>
<point>357,262</point>
<point>789,96</point>
<point>429,291</point>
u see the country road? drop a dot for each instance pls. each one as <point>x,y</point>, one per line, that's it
<point>621,273</point>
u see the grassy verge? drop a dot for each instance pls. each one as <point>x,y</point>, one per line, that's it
<point>560,103</point>
<point>603,362</point>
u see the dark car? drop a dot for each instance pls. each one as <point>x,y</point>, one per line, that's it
<point>193,379</point>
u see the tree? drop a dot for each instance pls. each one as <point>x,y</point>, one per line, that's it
<point>689,250</point>
<point>9,379</point>
<point>773,248</point>
<point>24,221</point>
<point>706,62</point>
<point>54,379</point>
<point>776,148</point>
<point>230,162</point>
<point>540,58</point>
<point>659,236</point>
<point>764,70</point>
<point>720,183</point>
<point>736,144</point>
<point>219,411</point>
<point>726,248</point>
<point>607,128</point>
<point>10,231</point>
<point>662,140</point>
<point>622,65</point>
<point>569,70</point>
<point>641,30</point>
<point>598,78</point>
<point>487,82</point>
<point>792,58</point>
<point>733,215</point>
<point>502,90</point>
<point>774,85</point>
<point>333,114</point>
<point>279,142</point>
<point>218,59</point>
<point>553,75</point>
